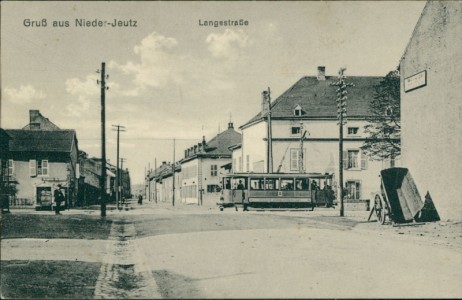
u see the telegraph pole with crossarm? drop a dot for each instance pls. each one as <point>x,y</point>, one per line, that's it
<point>342,92</point>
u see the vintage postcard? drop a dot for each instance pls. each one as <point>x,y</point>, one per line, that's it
<point>230,149</point>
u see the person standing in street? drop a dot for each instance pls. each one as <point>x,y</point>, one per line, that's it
<point>58,195</point>
<point>241,187</point>
<point>140,200</point>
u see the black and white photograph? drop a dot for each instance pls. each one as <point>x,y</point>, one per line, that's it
<point>230,149</point>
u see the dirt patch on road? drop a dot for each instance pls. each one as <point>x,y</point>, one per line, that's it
<point>48,279</point>
<point>54,226</point>
<point>447,234</point>
<point>175,286</point>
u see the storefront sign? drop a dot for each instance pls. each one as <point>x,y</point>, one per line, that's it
<point>415,81</point>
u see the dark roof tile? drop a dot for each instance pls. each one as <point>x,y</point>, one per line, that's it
<point>41,140</point>
<point>317,98</point>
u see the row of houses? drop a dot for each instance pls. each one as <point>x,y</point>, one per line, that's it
<point>309,105</point>
<point>38,158</point>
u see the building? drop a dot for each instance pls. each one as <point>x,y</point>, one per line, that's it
<point>38,161</point>
<point>305,134</point>
<point>201,165</point>
<point>5,189</point>
<point>160,187</point>
<point>431,106</point>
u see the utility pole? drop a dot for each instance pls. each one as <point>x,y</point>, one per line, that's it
<point>145,180</point>
<point>155,180</point>
<point>149,181</point>
<point>118,128</point>
<point>103,137</point>
<point>301,156</point>
<point>173,171</point>
<point>341,115</point>
<point>269,164</point>
<point>121,183</point>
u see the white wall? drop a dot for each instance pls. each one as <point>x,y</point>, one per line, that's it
<point>432,114</point>
<point>321,150</point>
<point>254,145</point>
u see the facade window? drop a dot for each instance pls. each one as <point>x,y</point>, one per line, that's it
<point>247,163</point>
<point>295,159</point>
<point>240,164</point>
<point>33,167</point>
<point>234,166</point>
<point>353,189</point>
<point>213,170</point>
<point>213,188</point>
<point>10,167</point>
<point>42,168</point>
<point>353,156</point>
<point>355,160</point>
<point>295,130</point>
<point>353,130</point>
<point>189,191</point>
<point>298,110</point>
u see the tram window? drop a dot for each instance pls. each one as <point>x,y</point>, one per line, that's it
<point>287,184</point>
<point>301,184</point>
<point>256,184</point>
<point>242,181</point>
<point>227,183</point>
<point>272,184</point>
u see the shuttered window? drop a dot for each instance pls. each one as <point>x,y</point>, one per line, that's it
<point>364,160</point>
<point>355,160</point>
<point>353,156</point>
<point>44,167</point>
<point>32,167</point>
<point>296,158</point>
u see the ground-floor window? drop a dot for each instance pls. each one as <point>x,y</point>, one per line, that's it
<point>353,189</point>
<point>213,188</point>
<point>189,191</point>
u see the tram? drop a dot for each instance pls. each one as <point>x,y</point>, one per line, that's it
<point>277,191</point>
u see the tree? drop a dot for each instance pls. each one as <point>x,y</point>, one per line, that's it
<point>384,126</point>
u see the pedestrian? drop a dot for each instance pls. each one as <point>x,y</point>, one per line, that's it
<point>330,196</point>
<point>140,200</point>
<point>314,186</point>
<point>58,195</point>
<point>241,187</point>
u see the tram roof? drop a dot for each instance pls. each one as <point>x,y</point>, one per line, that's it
<point>280,175</point>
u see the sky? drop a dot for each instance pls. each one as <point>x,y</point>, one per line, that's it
<point>172,77</point>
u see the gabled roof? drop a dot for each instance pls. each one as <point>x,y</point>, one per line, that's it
<point>217,146</point>
<point>317,98</point>
<point>221,142</point>
<point>41,140</point>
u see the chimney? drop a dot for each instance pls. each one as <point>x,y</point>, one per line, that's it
<point>195,149</point>
<point>264,102</point>
<point>34,122</point>
<point>185,153</point>
<point>199,147</point>
<point>321,73</point>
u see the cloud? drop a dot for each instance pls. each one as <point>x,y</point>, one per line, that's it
<point>228,44</point>
<point>160,64</point>
<point>85,92</point>
<point>24,95</point>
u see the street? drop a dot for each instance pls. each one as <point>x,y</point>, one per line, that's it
<point>159,251</point>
